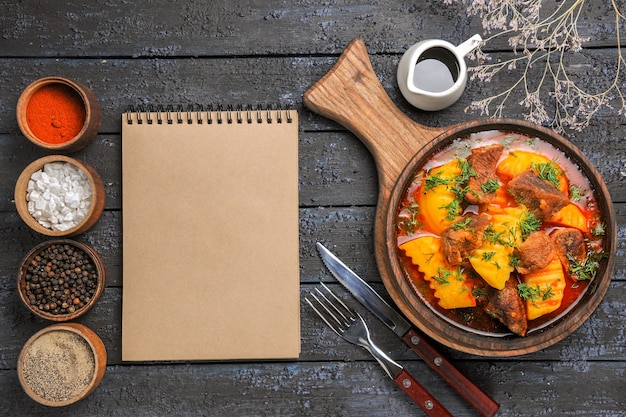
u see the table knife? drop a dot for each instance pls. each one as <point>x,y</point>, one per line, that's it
<point>476,397</point>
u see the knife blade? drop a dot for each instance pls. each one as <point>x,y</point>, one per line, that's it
<point>410,335</point>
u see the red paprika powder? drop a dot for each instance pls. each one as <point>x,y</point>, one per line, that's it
<point>55,113</point>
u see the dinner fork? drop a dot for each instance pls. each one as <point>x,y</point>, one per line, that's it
<point>351,327</point>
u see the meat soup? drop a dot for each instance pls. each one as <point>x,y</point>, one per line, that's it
<point>499,233</point>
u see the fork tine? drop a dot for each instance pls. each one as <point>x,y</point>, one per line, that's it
<point>346,308</point>
<point>330,311</point>
<point>322,315</point>
<point>328,305</point>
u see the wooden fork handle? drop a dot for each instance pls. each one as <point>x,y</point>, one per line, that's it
<point>476,397</point>
<point>420,396</point>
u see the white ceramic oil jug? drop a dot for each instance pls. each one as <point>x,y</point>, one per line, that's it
<point>432,73</point>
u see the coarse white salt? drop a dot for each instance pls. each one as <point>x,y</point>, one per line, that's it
<point>59,196</point>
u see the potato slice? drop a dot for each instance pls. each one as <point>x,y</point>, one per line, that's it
<point>517,162</point>
<point>571,216</point>
<point>547,287</point>
<point>492,261</point>
<point>449,283</point>
<point>436,198</point>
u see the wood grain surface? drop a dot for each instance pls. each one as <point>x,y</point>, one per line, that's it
<point>254,51</point>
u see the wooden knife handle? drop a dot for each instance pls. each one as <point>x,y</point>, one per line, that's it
<point>420,396</point>
<point>476,397</point>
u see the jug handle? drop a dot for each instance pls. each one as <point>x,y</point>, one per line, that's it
<point>469,45</point>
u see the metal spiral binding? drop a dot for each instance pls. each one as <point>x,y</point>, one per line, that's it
<point>194,114</point>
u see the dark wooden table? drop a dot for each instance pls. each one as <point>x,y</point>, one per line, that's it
<point>255,51</point>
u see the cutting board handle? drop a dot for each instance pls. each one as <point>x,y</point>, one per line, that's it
<point>351,95</point>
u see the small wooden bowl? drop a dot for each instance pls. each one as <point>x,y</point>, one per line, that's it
<point>68,359</point>
<point>29,276</point>
<point>73,89</point>
<point>97,196</point>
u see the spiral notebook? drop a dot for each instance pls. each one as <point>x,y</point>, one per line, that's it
<point>210,235</point>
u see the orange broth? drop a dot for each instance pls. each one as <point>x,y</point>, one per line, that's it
<point>474,318</point>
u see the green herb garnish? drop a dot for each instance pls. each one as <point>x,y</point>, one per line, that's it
<point>411,223</point>
<point>478,292</point>
<point>536,293</point>
<point>491,236</point>
<point>462,224</point>
<point>598,230</point>
<point>575,193</point>
<point>491,186</point>
<point>466,171</point>
<point>585,270</point>
<point>454,209</point>
<point>548,171</point>
<point>528,223</point>
<point>435,180</point>
<point>443,275</point>
<point>487,256</point>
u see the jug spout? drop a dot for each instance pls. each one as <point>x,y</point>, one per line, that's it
<point>469,45</point>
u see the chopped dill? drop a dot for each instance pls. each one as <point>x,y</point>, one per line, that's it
<point>528,223</point>
<point>491,236</point>
<point>487,256</point>
<point>491,186</point>
<point>478,292</point>
<point>466,171</point>
<point>459,192</point>
<point>585,270</point>
<point>443,275</point>
<point>430,257</point>
<point>575,193</point>
<point>459,275</point>
<point>536,293</point>
<point>454,209</point>
<point>462,224</point>
<point>549,172</point>
<point>435,180</point>
<point>531,143</point>
<point>411,222</point>
<point>508,141</point>
<point>598,230</point>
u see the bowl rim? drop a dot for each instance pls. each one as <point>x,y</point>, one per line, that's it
<point>97,196</point>
<point>452,335</point>
<point>98,264</point>
<point>96,346</point>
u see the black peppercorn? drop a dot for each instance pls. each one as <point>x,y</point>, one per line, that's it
<point>60,279</point>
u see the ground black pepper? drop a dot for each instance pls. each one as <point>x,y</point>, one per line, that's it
<point>58,366</point>
<point>60,279</point>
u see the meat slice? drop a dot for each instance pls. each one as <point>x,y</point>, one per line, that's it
<point>569,241</point>
<point>458,240</point>
<point>507,306</point>
<point>535,252</point>
<point>483,161</point>
<point>542,198</point>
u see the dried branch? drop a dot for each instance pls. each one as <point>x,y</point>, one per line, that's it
<point>541,47</point>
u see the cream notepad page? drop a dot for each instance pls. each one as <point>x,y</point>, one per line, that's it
<point>210,237</point>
